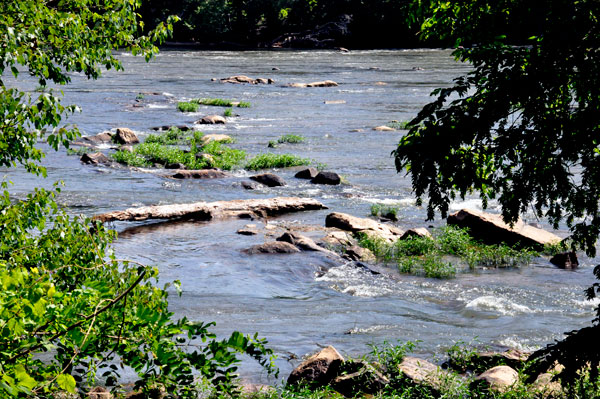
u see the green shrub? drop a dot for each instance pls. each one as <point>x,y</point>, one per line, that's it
<point>228,112</point>
<point>225,158</point>
<point>187,106</point>
<point>79,151</point>
<point>270,160</point>
<point>243,104</point>
<point>131,159</point>
<point>172,136</point>
<point>216,102</point>
<point>388,212</point>
<point>291,139</point>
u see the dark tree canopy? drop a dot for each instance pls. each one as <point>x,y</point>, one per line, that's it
<point>521,128</point>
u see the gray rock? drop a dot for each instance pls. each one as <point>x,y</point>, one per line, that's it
<point>307,173</point>
<point>200,174</point>
<point>269,179</point>
<point>330,178</point>
<point>272,247</point>
<point>250,185</point>
<point>212,120</point>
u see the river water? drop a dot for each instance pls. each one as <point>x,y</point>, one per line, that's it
<point>300,302</point>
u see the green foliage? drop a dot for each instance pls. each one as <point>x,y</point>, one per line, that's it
<point>291,139</point>
<point>389,212</point>
<point>228,112</point>
<point>185,106</point>
<point>243,104</point>
<point>440,256</point>
<point>217,102</point>
<point>390,356</point>
<point>270,160</point>
<point>172,136</point>
<point>79,151</point>
<point>399,125</point>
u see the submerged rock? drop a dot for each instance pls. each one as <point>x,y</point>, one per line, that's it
<point>248,230</point>
<point>125,136</point>
<point>245,79</point>
<point>384,129</point>
<point>272,247</point>
<point>324,83</point>
<point>491,229</point>
<point>269,179</point>
<point>320,368</point>
<point>200,174</point>
<point>330,178</point>
<point>250,185</point>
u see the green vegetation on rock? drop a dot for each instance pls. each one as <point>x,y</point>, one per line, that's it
<point>173,136</point>
<point>442,256</point>
<point>270,161</point>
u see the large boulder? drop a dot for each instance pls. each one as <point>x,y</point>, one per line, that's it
<point>199,174</point>
<point>96,158</point>
<point>330,178</point>
<point>370,227</point>
<point>499,378</point>
<point>125,136</point>
<point>320,368</point>
<point>272,247</point>
<point>269,179</point>
<point>491,229</point>
<point>212,120</point>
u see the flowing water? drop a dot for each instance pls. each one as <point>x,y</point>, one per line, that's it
<point>302,301</point>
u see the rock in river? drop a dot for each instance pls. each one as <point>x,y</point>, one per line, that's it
<point>199,174</point>
<point>307,173</point>
<point>269,179</point>
<point>321,368</point>
<point>212,120</point>
<point>370,227</point>
<point>95,159</point>
<point>491,229</point>
<point>125,136</point>
<point>272,247</point>
<point>330,178</point>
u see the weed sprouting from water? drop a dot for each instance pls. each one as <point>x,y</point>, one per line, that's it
<point>270,161</point>
<point>187,106</point>
<point>228,112</point>
<point>441,256</point>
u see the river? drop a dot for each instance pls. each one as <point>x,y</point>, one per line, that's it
<point>300,302</point>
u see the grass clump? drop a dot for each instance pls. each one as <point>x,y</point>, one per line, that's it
<point>388,212</point>
<point>399,125</point>
<point>287,139</point>
<point>187,106</point>
<point>441,256</point>
<point>149,154</point>
<point>79,151</point>
<point>228,112</point>
<point>270,160</point>
<point>173,136</point>
<point>243,104</point>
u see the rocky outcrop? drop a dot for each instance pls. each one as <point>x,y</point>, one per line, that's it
<point>370,227</point>
<point>306,173</point>
<point>272,247</point>
<point>199,174</point>
<point>304,243</point>
<point>215,210</point>
<point>269,180</point>
<point>212,120</point>
<point>125,136</point>
<point>325,83</point>
<point>96,158</point>
<point>330,178</point>
<point>331,35</point>
<point>219,138</point>
<point>497,378</point>
<point>319,369</point>
<point>565,260</point>
<point>491,229</point>
<point>245,79</point>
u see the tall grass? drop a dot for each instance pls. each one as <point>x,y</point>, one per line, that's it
<point>270,160</point>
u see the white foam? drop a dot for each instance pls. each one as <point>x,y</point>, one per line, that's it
<point>390,201</point>
<point>497,304</point>
<point>159,106</point>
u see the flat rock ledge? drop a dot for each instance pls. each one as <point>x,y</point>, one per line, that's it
<point>491,229</point>
<point>370,227</point>
<point>215,210</point>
